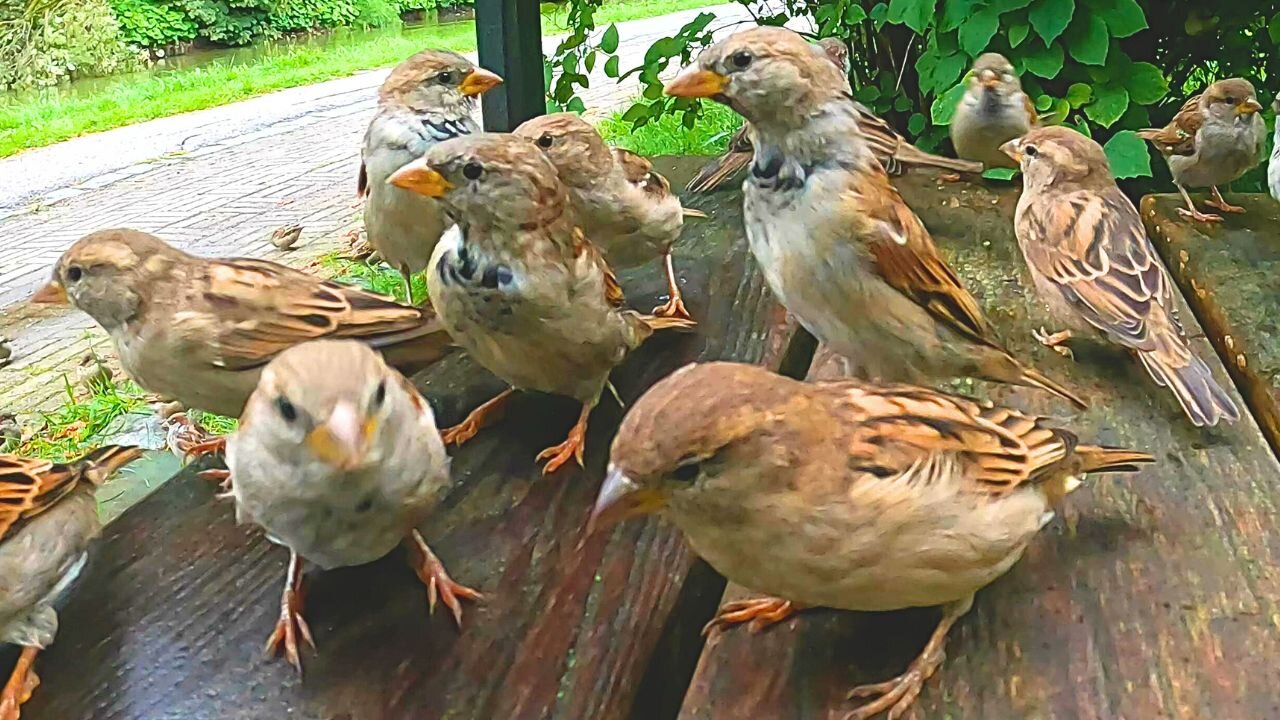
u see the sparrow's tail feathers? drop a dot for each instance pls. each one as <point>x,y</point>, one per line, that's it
<point>719,171</point>
<point>1201,398</point>
<point>908,154</point>
<point>1097,458</point>
<point>100,463</point>
<point>693,213</point>
<point>659,322</point>
<point>1033,378</point>
<point>362,182</point>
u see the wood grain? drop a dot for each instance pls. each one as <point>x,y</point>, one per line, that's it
<point>1151,596</point>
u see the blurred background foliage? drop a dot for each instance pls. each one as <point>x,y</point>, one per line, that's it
<point>1105,67</point>
<point>43,42</point>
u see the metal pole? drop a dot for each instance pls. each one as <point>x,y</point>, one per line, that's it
<point>509,40</point>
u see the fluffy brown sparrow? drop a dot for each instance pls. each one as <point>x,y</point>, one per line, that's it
<point>1094,267</point>
<point>837,244</point>
<point>891,149</point>
<point>517,283</point>
<point>428,98</point>
<point>286,237</point>
<point>199,330</point>
<point>626,208</point>
<point>48,516</point>
<point>338,458</point>
<point>1215,138</point>
<point>844,495</point>
<point>993,111</point>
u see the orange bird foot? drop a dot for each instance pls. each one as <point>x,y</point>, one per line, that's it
<point>1198,216</point>
<point>571,449</point>
<point>439,585</point>
<point>291,626</point>
<point>485,415</point>
<point>760,613</point>
<point>22,683</point>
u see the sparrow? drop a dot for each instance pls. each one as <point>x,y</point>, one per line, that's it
<point>993,111</point>
<point>891,149</point>
<point>337,458</point>
<point>1215,138</point>
<point>48,517</point>
<point>835,241</point>
<point>200,330</point>
<point>845,495</point>
<point>286,237</point>
<point>518,284</point>
<point>1273,166</point>
<point>427,98</point>
<point>1095,268</point>
<point>626,208</point>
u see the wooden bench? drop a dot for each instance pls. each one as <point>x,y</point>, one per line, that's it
<point>1154,596</point>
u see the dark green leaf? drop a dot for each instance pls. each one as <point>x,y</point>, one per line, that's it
<point>652,92</point>
<point>955,12</point>
<point>1145,83</point>
<point>945,106</point>
<point>1058,113</point>
<point>867,94</point>
<point>1273,29</point>
<point>635,112</point>
<point>1089,40</point>
<point>1079,94</point>
<point>576,105</point>
<point>854,15</point>
<point>999,173</point>
<point>689,120</point>
<point>948,71</point>
<point>915,14</point>
<point>1051,17</point>
<point>1123,17</point>
<point>879,14</point>
<point>1128,156</point>
<point>903,103</point>
<point>1043,103</point>
<point>609,41</point>
<point>1017,33</point>
<point>1109,103</point>
<point>1044,62</point>
<point>916,123</point>
<point>590,61</point>
<point>1004,6</point>
<point>611,67</point>
<point>977,31</point>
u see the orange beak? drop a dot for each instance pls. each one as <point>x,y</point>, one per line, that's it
<point>421,178</point>
<point>1248,107</point>
<point>696,83</point>
<point>989,79</point>
<point>51,294</point>
<point>1013,149</point>
<point>621,498</point>
<point>343,440</point>
<point>478,82</point>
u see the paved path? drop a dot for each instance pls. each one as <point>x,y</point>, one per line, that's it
<point>214,182</point>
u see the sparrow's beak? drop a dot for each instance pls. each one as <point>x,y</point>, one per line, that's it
<point>479,81</point>
<point>1248,107</point>
<point>621,498</point>
<point>343,440</point>
<point>1013,149</point>
<point>419,177</point>
<point>989,79</point>
<point>51,294</point>
<point>696,83</point>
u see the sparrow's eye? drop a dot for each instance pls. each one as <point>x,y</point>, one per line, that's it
<point>741,59</point>
<point>688,470</point>
<point>74,273</point>
<point>472,171</point>
<point>545,141</point>
<point>1030,151</point>
<point>1230,100</point>
<point>380,394</point>
<point>286,408</point>
<point>447,77</point>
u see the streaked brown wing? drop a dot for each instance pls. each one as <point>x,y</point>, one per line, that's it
<point>1179,136</point>
<point>29,487</point>
<point>612,288</point>
<point>639,172</point>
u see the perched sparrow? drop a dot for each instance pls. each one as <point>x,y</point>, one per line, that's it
<point>1273,167</point>
<point>1096,270</point>
<point>993,111</point>
<point>518,285</point>
<point>48,516</point>
<point>1215,138</point>
<point>286,236</point>
<point>338,458</point>
<point>199,330</point>
<point>844,495</point>
<point>837,244</point>
<point>626,208</point>
<point>425,99</point>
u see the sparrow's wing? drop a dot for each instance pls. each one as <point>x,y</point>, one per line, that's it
<point>1033,115</point>
<point>895,153</point>
<point>29,487</point>
<point>724,168</point>
<point>585,252</point>
<point>639,172</point>
<point>1179,136</point>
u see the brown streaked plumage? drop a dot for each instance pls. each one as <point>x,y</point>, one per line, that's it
<point>48,517</point>
<point>1215,138</point>
<point>846,495</point>
<point>993,111</point>
<point>518,284</point>
<point>837,244</point>
<point>626,208</point>
<point>1092,263</point>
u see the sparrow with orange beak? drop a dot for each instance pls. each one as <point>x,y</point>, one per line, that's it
<point>993,111</point>
<point>338,458</point>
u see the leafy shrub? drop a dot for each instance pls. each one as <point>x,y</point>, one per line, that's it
<point>157,23</point>
<point>43,42</point>
<point>149,24</point>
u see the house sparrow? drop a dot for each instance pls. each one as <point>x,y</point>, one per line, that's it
<point>338,458</point>
<point>48,517</point>
<point>200,330</point>
<point>1273,166</point>
<point>286,237</point>
<point>428,98</point>
<point>1094,267</point>
<point>844,495</point>
<point>837,244</point>
<point>626,208</point>
<point>993,111</point>
<point>891,149</point>
<point>1215,138</point>
<point>517,283</point>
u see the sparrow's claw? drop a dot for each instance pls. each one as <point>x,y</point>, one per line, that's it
<point>481,417</point>
<point>439,585</point>
<point>1199,216</point>
<point>22,683</point>
<point>291,625</point>
<point>206,446</point>
<point>571,449</point>
<point>1219,202</point>
<point>1055,341</point>
<point>220,476</point>
<point>674,307</point>
<point>950,177</point>
<point>760,613</point>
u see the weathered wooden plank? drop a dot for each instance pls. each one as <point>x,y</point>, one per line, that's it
<point>170,620</point>
<point>1152,596</point>
<point>1230,275</point>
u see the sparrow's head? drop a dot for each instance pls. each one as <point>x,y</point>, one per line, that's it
<point>770,75</point>
<point>837,52</point>
<point>693,434</point>
<point>106,274</point>
<point>330,401</point>
<point>1058,155</point>
<point>1231,100</point>
<point>571,144</point>
<point>993,74</point>
<point>488,179</point>
<point>437,81</point>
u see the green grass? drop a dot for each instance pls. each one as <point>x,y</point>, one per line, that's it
<point>49,117</point>
<point>374,277</point>
<point>214,424</point>
<point>668,136</point>
<point>71,430</point>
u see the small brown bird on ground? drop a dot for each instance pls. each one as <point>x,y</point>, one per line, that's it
<point>426,99</point>
<point>914,497</point>
<point>891,149</point>
<point>626,208</point>
<point>338,458</point>
<point>286,237</point>
<point>1094,267</point>
<point>837,244</point>
<point>1215,138</point>
<point>517,283</point>
<point>48,517</point>
<point>993,111</point>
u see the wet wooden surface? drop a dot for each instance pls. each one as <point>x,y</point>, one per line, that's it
<point>1152,595</point>
<point>170,619</point>
<point>1230,274</point>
